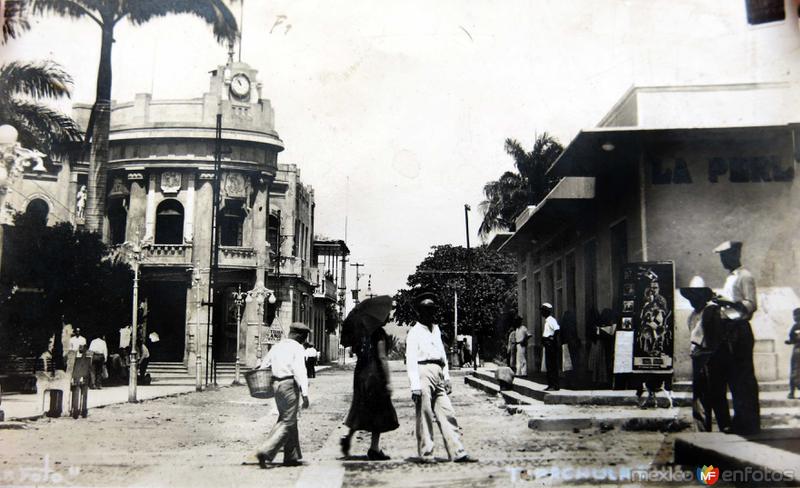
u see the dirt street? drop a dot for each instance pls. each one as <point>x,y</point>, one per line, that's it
<point>209,438</point>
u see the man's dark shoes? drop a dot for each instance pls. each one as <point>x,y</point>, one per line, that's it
<point>344,443</point>
<point>293,463</point>
<point>262,460</point>
<point>466,458</point>
<point>377,455</point>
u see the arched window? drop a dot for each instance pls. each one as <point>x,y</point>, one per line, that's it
<point>169,222</point>
<point>232,224</point>
<point>117,221</point>
<point>37,211</point>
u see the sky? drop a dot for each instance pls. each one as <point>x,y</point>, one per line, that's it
<point>396,112</point>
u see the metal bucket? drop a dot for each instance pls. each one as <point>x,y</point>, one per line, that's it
<point>259,382</point>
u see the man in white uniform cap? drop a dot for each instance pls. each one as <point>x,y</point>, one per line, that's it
<point>739,302</point>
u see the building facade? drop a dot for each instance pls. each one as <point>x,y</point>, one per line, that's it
<point>654,184</point>
<point>160,195</point>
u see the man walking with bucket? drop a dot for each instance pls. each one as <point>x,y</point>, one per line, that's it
<point>290,380</point>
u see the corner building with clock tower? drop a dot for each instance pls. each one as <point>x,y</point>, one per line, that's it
<point>160,193</point>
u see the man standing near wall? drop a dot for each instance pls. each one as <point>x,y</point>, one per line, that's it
<point>739,302</point>
<point>550,341</point>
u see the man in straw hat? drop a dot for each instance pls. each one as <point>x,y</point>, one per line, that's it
<point>288,361</point>
<point>739,302</point>
<point>426,361</point>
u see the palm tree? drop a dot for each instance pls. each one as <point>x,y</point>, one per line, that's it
<point>14,19</point>
<point>39,126</point>
<point>106,14</point>
<point>509,195</point>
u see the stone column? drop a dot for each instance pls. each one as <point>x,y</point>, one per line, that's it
<point>136,207</point>
<point>188,221</point>
<point>150,213</point>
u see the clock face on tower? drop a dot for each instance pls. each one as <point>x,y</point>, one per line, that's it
<point>240,86</point>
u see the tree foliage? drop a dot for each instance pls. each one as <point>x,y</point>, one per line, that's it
<point>55,274</point>
<point>507,196</point>
<point>482,297</point>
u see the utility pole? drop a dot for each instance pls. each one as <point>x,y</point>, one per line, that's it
<point>469,273</point>
<point>357,266</point>
<point>211,343</point>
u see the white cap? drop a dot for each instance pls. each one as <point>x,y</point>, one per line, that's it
<point>697,282</point>
<point>547,305</point>
<point>727,246</point>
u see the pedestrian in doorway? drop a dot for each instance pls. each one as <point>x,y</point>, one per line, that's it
<point>511,348</point>
<point>99,351</point>
<point>371,408</point>
<point>125,344</point>
<point>426,363</point>
<point>550,341</point>
<point>794,338</point>
<point>738,301</point>
<point>521,336</point>
<point>77,342</point>
<point>311,360</point>
<point>290,382</point>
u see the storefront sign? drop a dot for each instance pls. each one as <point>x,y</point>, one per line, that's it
<point>756,169</point>
<point>648,313</point>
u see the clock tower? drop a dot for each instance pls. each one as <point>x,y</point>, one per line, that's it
<point>236,82</point>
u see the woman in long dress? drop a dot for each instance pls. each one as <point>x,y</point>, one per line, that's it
<point>371,409</point>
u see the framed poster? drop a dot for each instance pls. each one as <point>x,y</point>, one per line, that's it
<point>647,311</point>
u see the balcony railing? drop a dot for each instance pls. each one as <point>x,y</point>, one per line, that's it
<point>167,254</point>
<point>235,256</point>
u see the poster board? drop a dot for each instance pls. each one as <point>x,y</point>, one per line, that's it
<point>648,316</point>
<point>623,351</point>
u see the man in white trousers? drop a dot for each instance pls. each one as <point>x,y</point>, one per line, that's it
<point>426,361</point>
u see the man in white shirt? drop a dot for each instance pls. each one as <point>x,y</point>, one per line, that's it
<point>740,299</point>
<point>550,342</point>
<point>77,342</point>
<point>99,350</point>
<point>426,362</point>
<point>311,360</point>
<point>288,362</point>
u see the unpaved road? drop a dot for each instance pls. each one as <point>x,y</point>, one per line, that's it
<point>208,439</point>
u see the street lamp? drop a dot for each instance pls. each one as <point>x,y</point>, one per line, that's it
<point>259,293</point>
<point>239,298</point>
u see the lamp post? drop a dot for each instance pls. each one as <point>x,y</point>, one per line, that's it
<point>197,281</point>
<point>134,256</point>
<point>239,298</point>
<point>259,293</point>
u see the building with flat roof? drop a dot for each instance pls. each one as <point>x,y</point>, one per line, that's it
<point>668,174</point>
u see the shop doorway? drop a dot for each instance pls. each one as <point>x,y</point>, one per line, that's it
<point>225,319</point>
<point>166,316</point>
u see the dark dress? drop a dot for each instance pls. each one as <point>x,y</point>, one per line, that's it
<point>371,409</point>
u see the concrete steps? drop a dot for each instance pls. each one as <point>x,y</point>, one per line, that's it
<point>771,396</point>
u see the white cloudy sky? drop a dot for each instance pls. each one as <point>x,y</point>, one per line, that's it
<point>411,101</point>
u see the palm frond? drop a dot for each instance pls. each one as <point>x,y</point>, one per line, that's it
<point>213,12</point>
<point>43,127</point>
<point>37,80</point>
<point>15,20</point>
<point>75,9</point>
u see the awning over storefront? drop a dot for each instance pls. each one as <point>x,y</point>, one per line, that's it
<point>569,199</point>
<point>597,151</point>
